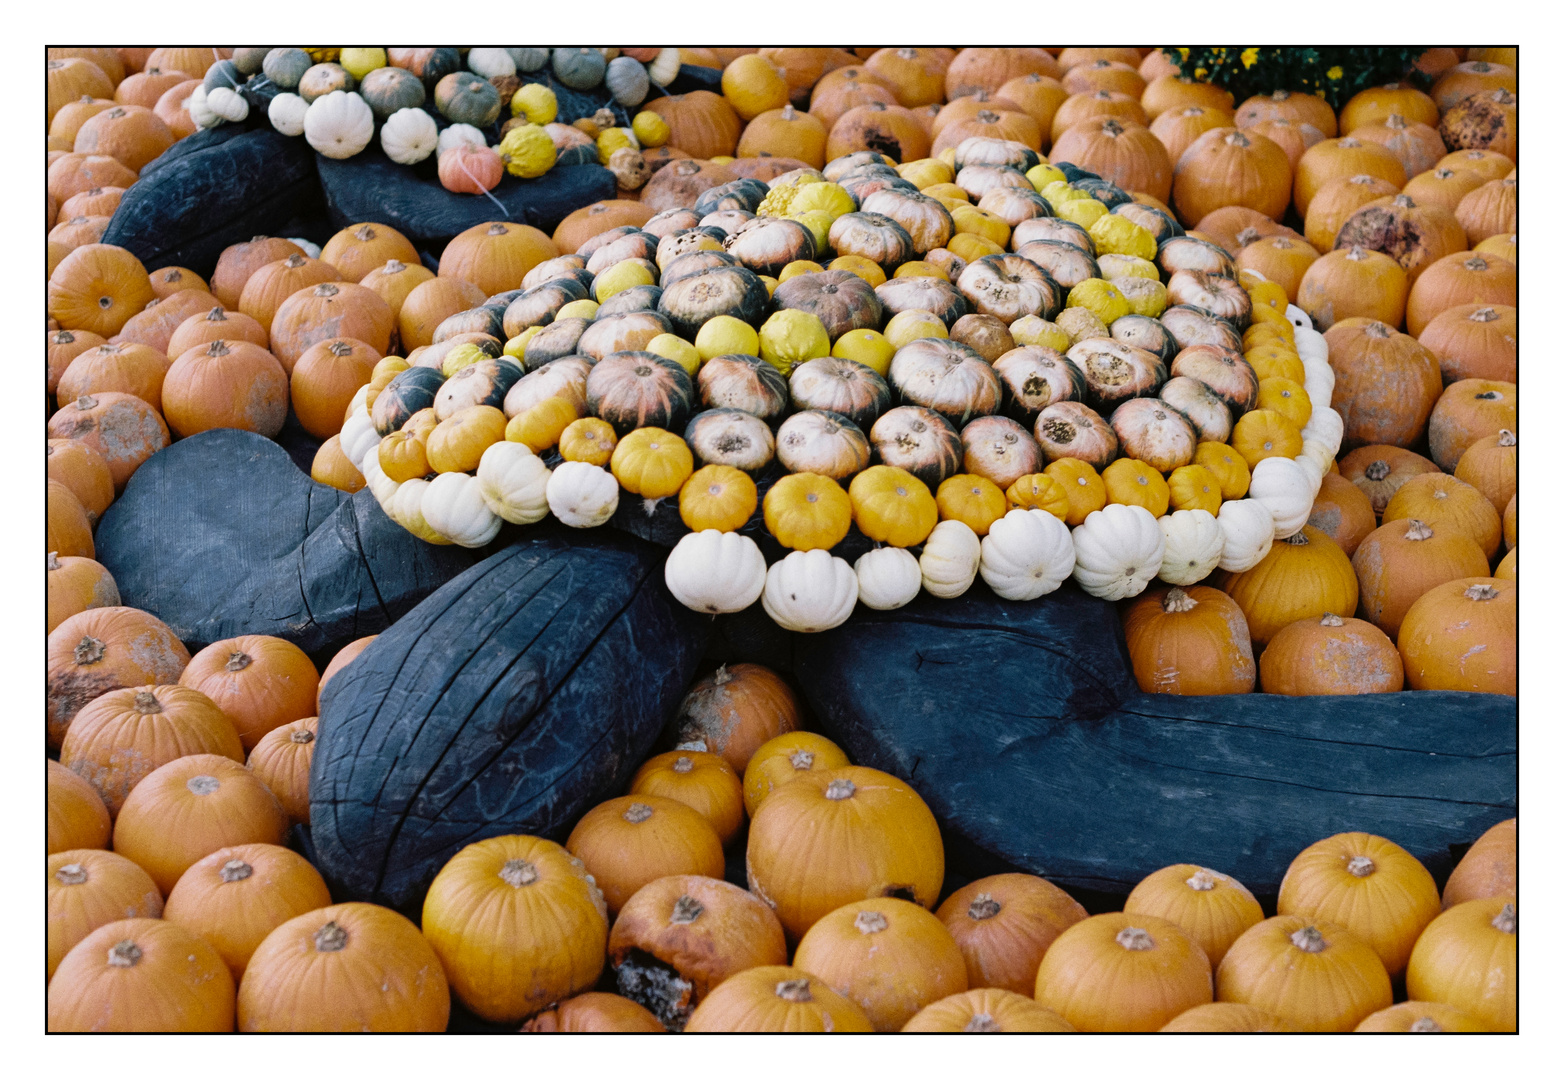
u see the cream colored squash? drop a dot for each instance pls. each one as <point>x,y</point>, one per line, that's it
<point>715,572</point>
<point>810,591</point>
<point>1026,554</point>
<point>888,578</point>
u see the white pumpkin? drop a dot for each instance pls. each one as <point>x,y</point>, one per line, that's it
<point>1298,317</point>
<point>528,59</point>
<point>454,507</point>
<point>381,486</point>
<point>1118,550</point>
<point>406,509</point>
<point>359,437</point>
<point>665,68</point>
<point>200,111</point>
<point>715,572</point>
<point>1283,487</point>
<point>359,399</point>
<point>1310,344</point>
<point>408,136</point>
<point>228,104</point>
<point>491,63</point>
<point>514,483</point>
<point>458,135</point>
<point>1318,453</point>
<point>1247,534</point>
<point>286,113</point>
<point>888,578</point>
<point>582,496</point>
<point>1314,472</point>
<point>339,125</point>
<point>810,591</point>
<point>1026,554</point>
<point>1193,546</point>
<point>1325,425</point>
<point>309,247</point>
<point>1318,387</point>
<point>950,560</point>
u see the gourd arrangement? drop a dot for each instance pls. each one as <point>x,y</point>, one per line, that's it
<point>199,919</point>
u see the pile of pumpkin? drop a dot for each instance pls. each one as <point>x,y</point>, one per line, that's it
<point>200,919</point>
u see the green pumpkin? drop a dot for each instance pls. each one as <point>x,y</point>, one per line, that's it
<point>286,67</point>
<point>723,290</point>
<point>250,60</point>
<point>465,98</point>
<point>579,69</point>
<point>407,392</point>
<point>528,59</point>
<point>388,89</point>
<point>634,389</point>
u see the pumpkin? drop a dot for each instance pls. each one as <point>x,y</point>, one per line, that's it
<point>1457,279</point>
<point>1122,972</point>
<point>494,256</point>
<point>1461,636</point>
<point>1122,152</point>
<point>236,896</point>
<point>282,760</point>
<point>920,441</point>
<point>986,1011</point>
<point>1386,383</point>
<point>1179,127</point>
<point>1309,974</point>
<point>260,683</point>
<point>637,389</point>
<point>1414,235</point>
<point>1420,1017</point>
<point>84,471</point>
<point>69,531</point>
<point>1379,471</point>
<point>690,302</point>
<point>326,311</point>
<point>160,319</point>
<point>1209,906</point>
<point>76,816</point>
<point>1488,868</point>
<point>1468,411</point>
<point>1094,106</point>
<point>63,347</point>
<point>1335,158</point>
<point>106,649</point>
<point>88,889</point>
<point>1467,958</point>
<point>77,584</point>
<point>1366,885</point>
<point>216,802</point>
<point>1004,924</point>
<point>239,262</point>
<point>120,737</point>
<point>129,133</point>
<point>123,429</point>
<point>71,78</point>
<point>359,249</point>
<point>97,288</point>
<point>700,123</point>
<point>1353,283</point>
<point>139,975</point>
<point>1192,641</point>
<point>1330,655</point>
<point>389,979</point>
<point>1447,502</point>
<point>1468,78</point>
<point>1402,560</point>
<point>1489,465</point>
<point>632,840</point>
<point>1225,1016</point>
<point>1473,341</point>
<point>270,286</point>
<point>776,999</point>
<point>1485,120</point>
<point>231,384</point>
<point>505,887</point>
<point>1342,512</point>
<point>595,1012</point>
<point>1118,550</point>
<point>1272,593</point>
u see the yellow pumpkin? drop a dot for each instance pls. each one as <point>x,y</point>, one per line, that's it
<point>403,456</point>
<point>805,511</point>
<point>1229,468</point>
<point>1273,360</point>
<point>1134,483</point>
<point>981,223</point>
<point>971,247</point>
<point>975,501</point>
<point>458,441</point>
<point>892,506</point>
<point>588,439</point>
<point>651,463</point>
<point>1266,433</point>
<point>1082,487</point>
<point>868,270</point>
<point>1286,397</point>
<point>543,425</point>
<point>1039,491</point>
<point>717,497</point>
<point>1194,487</point>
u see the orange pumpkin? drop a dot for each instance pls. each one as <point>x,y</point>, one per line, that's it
<point>81,469</point>
<point>1299,108</point>
<point>1468,411</point>
<point>1420,1017</point>
<point>1309,974</point>
<point>235,896</point>
<point>1004,924</point>
<point>239,261</point>
<point>88,889</point>
<point>1293,137</point>
<point>1474,341</point>
<point>75,585</point>
<point>1445,502</point>
<point>700,123</point>
<point>76,817</point>
<point>1487,869</point>
<point>104,649</point>
<point>260,682</point>
<point>986,1011</point>
<point>1379,471</point>
<point>97,288</point>
<point>1123,972</point>
<point>1337,201</point>
<point>1189,641</point>
<point>776,761</point>
<point>325,380</point>
<point>121,428</point>
<point>702,781</point>
<point>1330,655</point>
<point>141,975</point>
<point>1467,958</point>
<point>1229,167</point>
<point>215,324</point>
<point>430,303</point>
<point>1386,382</point>
<point>595,1013</point>
<point>70,78</point>
<point>1457,279</point>
<point>330,310</point>
<point>73,114</point>
<point>1332,159</point>
<point>1342,512</point>
<point>348,967</point>
<point>1353,283</point>
<point>359,249</point>
<point>281,759</point>
<point>128,368</point>
<point>1129,155</point>
<point>173,108</point>
<point>1225,1017</point>
<point>916,75</point>
<point>70,173</point>
<point>1402,560</point>
<point>1181,126</point>
<point>65,346</point>
<point>1443,186</point>
<point>232,384</point>
<point>120,737</point>
<point>1305,575</point>
<point>892,129</point>
<point>1099,104</point>
<point>777,999</point>
<point>131,134</point>
<point>1462,636</point>
<point>1210,907</point>
<point>68,530</point>
<point>591,220</point>
<point>155,324</point>
<point>629,841</point>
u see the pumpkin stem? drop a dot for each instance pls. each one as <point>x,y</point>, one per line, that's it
<point>339,348</point>
<point>1443,174</point>
<point>1309,939</point>
<point>1134,939</point>
<point>235,870</point>
<point>698,745</point>
<point>218,348</point>
<point>795,990</point>
<point>238,661</point>
<point>1201,880</point>
<point>1418,530</point>
<point>86,401</point>
<point>1297,539</point>
<point>1363,178</point>
<point>1485,314</point>
<point>1357,254</point>
<point>1330,618</point>
<point>54,563</point>
<point>124,954</point>
<point>217,314</point>
<point>1280,95</point>
<point>302,736</point>
<point>870,922</point>
<point>1110,127</point>
<point>146,703</point>
<point>364,232</point>
<point>982,1023</point>
<point>1350,143</point>
<point>1177,600</point>
<point>788,113</point>
<point>1481,592</point>
<point>1506,437</point>
<point>637,813</point>
<point>1360,866</point>
<point>293,262</point>
<point>326,288</point>
<point>1396,121</point>
<point>393,266</point>
<point>518,872</point>
<point>1237,138</point>
<point>1476,263</point>
<point>71,874</point>
<point>89,650</point>
<point>686,910</point>
<point>64,337</point>
<point>682,764</point>
<point>1424,1025</point>
<point>202,785</point>
<point>1403,201</point>
<point>983,907</point>
<point>837,790</point>
<point>331,938</point>
<point>1377,470</point>
<point>497,229</point>
<point>986,116</point>
<point>1504,922</point>
<point>1247,236</point>
<point>801,760</point>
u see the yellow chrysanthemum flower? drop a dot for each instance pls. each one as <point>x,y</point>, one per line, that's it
<point>1334,73</point>
<point>1249,56</point>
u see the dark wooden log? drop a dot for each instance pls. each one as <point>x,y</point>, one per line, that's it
<point>510,701</point>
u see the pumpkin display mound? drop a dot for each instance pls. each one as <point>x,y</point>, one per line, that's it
<point>511,700</point>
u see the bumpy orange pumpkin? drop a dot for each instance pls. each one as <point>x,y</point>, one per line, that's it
<point>1330,654</point>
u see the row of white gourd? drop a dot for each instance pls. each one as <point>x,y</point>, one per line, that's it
<point>1114,554</point>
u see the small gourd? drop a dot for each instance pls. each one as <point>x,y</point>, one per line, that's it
<point>715,572</point>
<point>228,104</point>
<point>286,113</point>
<point>1194,545</point>
<point>513,482</point>
<point>810,591</point>
<point>1248,531</point>
<point>1286,491</point>
<point>951,558</point>
<point>1026,554</point>
<point>579,69</point>
<point>408,136</point>
<point>491,63</point>
<point>888,578</point>
<point>665,68</point>
<point>202,113</point>
<point>627,80</point>
<point>454,507</point>
<point>582,496</point>
<point>339,125</point>
<point>1118,550</point>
